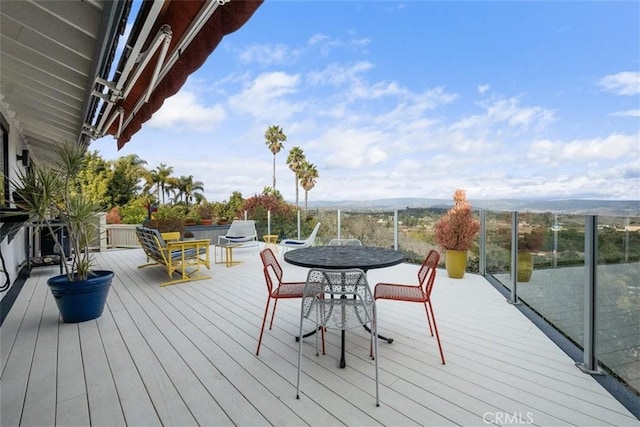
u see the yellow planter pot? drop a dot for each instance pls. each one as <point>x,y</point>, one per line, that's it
<point>525,266</point>
<point>456,263</point>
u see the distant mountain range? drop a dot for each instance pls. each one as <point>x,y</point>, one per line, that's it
<point>568,206</point>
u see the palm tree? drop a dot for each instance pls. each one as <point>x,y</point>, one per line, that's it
<point>294,160</point>
<point>160,177</point>
<point>172,186</point>
<point>308,176</point>
<point>274,135</point>
<point>189,188</point>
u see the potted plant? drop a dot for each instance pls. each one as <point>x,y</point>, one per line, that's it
<point>456,232</point>
<point>191,219</point>
<point>206,211</point>
<point>51,197</point>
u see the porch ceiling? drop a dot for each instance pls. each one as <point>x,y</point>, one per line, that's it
<point>50,55</point>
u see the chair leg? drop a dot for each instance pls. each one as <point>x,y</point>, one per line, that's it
<point>273,314</point>
<point>264,320</point>
<point>374,337</point>
<point>435,327</point>
<point>428,318</point>
<point>300,356</point>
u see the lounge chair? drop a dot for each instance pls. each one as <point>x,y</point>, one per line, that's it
<point>242,232</point>
<point>297,244</point>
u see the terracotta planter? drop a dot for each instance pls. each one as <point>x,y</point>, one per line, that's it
<point>206,221</point>
<point>525,266</point>
<point>456,263</point>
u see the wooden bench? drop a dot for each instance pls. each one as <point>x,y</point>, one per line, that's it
<point>183,257</point>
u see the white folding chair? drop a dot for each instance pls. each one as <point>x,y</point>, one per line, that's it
<point>338,299</point>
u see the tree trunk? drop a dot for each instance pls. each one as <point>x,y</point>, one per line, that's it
<point>274,171</point>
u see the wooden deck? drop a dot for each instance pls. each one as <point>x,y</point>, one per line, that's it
<point>185,355</point>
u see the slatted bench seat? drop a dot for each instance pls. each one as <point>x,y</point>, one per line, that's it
<point>184,257</point>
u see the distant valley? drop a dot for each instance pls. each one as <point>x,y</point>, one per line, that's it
<point>569,206</point>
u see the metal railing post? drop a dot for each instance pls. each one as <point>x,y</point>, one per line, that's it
<point>395,229</point>
<point>514,258</point>
<point>555,240</point>
<point>627,222</point>
<point>482,247</point>
<point>339,227</point>
<point>590,363</point>
<point>298,225</point>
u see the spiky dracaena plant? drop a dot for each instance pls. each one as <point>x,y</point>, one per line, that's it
<point>51,196</point>
<point>457,230</point>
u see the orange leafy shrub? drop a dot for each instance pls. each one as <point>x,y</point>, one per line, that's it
<point>457,230</point>
<point>113,216</point>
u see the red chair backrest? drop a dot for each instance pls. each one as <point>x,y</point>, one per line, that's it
<point>269,260</point>
<point>427,272</point>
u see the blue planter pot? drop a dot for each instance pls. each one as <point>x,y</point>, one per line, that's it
<point>81,300</point>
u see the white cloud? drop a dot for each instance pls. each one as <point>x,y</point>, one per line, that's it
<point>482,89</point>
<point>267,96</point>
<point>327,44</point>
<point>184,110</point>
<point>624,83</point>
<point>268,54</point>
<point>615,146</point>
<point>339,74</point>
<point>507,111</point>
<point>627,113</point>
<point>349,148</point>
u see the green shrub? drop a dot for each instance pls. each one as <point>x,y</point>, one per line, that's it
<point>134,212</point>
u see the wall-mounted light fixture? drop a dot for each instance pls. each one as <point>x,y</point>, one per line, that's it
<point>26,160</point>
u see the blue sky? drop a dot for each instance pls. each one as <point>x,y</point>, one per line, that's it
<point>507,99</point>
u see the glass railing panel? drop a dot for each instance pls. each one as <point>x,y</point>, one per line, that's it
<point>618,297</point>
<point>557,294</point>
<point>498,256</point>
<point>283,226</point>
<point>416,232</point>
<point>372,228</point>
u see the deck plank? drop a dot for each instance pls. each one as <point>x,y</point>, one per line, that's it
<point>166,400</point>
<point>40,399</point>
<point>133,396</point>
<point>15,375</point>
<point>71,404</point>
<point>101,392</point>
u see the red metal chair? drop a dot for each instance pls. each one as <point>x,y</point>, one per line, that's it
<point>272,270</point>
<point>416,293</point>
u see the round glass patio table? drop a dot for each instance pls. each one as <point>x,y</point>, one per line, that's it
<point>341,258</point>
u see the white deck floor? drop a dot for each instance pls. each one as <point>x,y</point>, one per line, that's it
<point>185,355</point>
